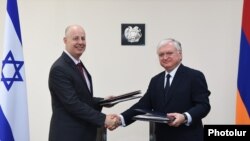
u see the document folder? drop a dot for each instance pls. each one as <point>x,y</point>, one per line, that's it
<point>152,116</point>
<point>120,98</point>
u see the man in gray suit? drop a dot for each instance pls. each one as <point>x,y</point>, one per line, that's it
<point>76,113</point>
<point>179,92</point>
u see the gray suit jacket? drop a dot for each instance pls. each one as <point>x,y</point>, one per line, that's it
<point>76,114</point>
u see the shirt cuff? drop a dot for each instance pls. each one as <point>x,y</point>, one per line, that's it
<point>122,121</point>
<point>189,119</point>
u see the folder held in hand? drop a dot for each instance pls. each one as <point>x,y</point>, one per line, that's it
<point>152,116</point>
<point>120,98</point>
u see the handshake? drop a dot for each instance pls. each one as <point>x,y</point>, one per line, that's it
<point>112,121</point>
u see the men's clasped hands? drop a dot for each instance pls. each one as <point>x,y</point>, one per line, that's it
<point>112,121</point>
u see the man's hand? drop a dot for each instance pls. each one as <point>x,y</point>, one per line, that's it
<point>178,119</point>
<point>112,121</point>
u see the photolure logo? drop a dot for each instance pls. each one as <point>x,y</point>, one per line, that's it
<point>235,132</point>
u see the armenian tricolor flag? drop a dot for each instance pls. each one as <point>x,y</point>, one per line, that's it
<point>243,82</point>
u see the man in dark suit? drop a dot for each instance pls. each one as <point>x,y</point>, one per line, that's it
<point>186,99</point>
<point>76,113</point>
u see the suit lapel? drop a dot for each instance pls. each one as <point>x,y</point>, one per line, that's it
<point>72,64</point>
<point>175,83</point>
<point>160,89</point>
<point>90,79</point>
<point>84,81</point>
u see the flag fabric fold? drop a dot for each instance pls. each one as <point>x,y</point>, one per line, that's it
<point>14,123</point>
<point>243,82</point>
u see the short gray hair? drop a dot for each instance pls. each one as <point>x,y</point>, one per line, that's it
<point>176,43</point>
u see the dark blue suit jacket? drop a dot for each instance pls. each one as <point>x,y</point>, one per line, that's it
<point>188,93</point>
<point>76,114</point>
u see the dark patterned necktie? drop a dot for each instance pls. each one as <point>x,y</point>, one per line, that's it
<point>83,74</point>
<point>79,67</point>
<point>167,86</point>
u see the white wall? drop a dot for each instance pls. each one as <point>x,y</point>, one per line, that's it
<point>208,30</point>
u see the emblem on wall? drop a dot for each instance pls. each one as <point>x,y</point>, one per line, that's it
<point>133,34</point>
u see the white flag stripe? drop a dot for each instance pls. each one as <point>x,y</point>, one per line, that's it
<point>13,101</point>
<point>11,41</point>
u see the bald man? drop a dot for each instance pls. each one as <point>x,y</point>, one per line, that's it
<point>76,114</point>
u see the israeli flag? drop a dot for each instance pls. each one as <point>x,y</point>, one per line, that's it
<point>14,123</point>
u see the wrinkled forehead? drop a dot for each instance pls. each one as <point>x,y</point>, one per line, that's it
<point>169,47</point>
<point>170,42</point>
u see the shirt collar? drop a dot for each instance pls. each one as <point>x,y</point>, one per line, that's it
<point>72,58</point>
<point>172,73</point>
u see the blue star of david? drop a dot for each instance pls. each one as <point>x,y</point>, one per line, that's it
<point>10,60</point>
